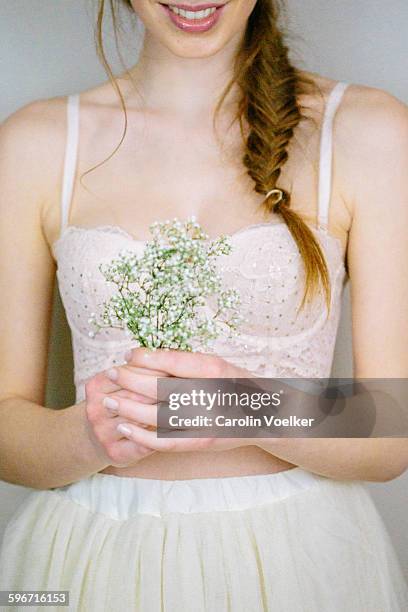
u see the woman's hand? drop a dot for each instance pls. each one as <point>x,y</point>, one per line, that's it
<point>135,394</point>
<point>103,422</point>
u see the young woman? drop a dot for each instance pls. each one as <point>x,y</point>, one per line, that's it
<point>121,518</point>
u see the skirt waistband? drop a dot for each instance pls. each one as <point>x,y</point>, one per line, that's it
<point>122,497</point>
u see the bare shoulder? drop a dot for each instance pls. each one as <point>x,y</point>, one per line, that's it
<point>33,138</point>
<point>371,144</point>
<point>37,131</point>
<point>371,152</point>
<point>371,124</point>
<point>32,150</point>
<point>36,122</point>
<point>371,116</point>
<point>370,109</point>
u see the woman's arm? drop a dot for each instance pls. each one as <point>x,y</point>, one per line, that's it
<point>44,448</point>
<point>371,149</point>
<point>39,447</point>
<point>375,459</point>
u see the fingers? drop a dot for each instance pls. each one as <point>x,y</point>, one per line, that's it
<point>145,414</point>
<point>100,384</point>
<point>122,452</point>
<point>147,371</point>
<point>136,397</point>
<point>183,364</point>
<point>118,450</point>
<point>149,439</point>
<point>125,377</point>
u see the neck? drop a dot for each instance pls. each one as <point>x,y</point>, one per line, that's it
<point>185,85</point>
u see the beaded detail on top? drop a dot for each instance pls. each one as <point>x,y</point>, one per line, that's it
<point>264,266</point>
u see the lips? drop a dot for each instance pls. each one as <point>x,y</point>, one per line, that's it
<point>197,18</point>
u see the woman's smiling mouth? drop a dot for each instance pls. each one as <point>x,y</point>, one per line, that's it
<point>198,18</point>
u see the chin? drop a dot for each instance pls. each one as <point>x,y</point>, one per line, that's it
<point>196,49</point>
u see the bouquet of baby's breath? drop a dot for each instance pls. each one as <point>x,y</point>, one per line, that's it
<point>163,295</point>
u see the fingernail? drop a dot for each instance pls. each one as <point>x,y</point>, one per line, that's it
<point>110,404</point>
<point>123,429</point>
<point>128,355</point>
<point>112,374</point>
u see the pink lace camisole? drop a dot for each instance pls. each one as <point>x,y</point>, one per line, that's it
<point>264,265</point>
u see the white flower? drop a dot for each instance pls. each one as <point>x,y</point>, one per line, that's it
<point>160,293</point>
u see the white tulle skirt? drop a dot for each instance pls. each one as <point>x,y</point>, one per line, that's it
<point>286,542</point>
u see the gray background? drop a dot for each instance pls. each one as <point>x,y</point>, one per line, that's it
<point>46,49</point>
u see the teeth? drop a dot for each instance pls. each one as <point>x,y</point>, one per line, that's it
<point>192,14</point>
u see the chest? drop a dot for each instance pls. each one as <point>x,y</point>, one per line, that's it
<point>170,168</point>
<point>264,267</point>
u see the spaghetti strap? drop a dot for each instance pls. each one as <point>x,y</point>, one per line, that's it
<point>326,154</point>
<point>71,153</point>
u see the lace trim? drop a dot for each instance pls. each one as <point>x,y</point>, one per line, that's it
<point>120,231</point>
